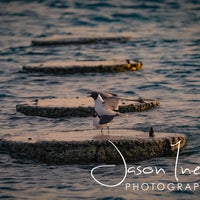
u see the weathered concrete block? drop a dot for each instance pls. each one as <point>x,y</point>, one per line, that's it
<point>77,107</point>
<point>87,146</point>
<point>73,40</point>
<point>72,67</point>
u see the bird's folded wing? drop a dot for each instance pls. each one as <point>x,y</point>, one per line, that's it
<point>104,119</point>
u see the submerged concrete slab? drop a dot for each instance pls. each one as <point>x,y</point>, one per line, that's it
<point>74,40</point>
<point>88,146</point>
<point>72,67</point>
<point>77,107</point>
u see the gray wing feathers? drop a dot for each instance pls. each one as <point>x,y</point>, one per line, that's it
<point>104,119</point>
<point>112,102</point>
<point>106,95</point>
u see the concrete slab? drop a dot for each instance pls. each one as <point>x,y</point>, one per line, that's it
<point>74,40</point>
<point>77,107</point>
<point>72,67</point>
<point>88,146</point>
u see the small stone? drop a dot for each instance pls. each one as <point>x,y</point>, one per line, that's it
<point>151,132</point>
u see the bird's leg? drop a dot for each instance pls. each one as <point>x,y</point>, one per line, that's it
<point>108,129</point>
<point>101,131</point>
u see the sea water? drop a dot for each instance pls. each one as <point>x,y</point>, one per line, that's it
<point>166,38</point>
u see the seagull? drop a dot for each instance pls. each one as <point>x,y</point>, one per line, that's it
<point>112,100</point>
<point>102,107</point>
<point>100,122</point>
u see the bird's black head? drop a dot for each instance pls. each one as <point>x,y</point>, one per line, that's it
<point>94,95</point>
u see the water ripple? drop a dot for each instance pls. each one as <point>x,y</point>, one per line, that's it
<point>170,73</point>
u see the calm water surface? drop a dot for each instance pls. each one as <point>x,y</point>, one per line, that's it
<point>166,39</point>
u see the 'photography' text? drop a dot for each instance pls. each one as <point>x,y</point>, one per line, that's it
<point>172,185</point>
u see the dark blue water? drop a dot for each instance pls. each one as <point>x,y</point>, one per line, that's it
<point>166,39</point>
